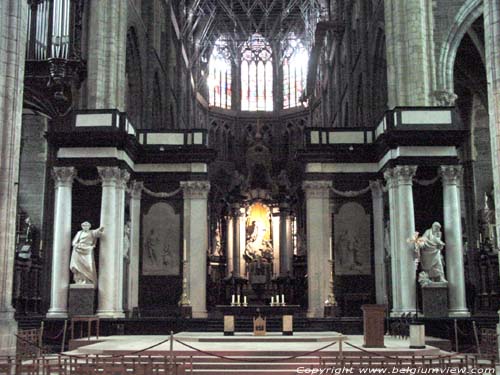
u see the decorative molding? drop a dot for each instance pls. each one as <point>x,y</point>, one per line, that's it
<point>63,176</point>
<point>444,98</point>
<point>123,179</point>
<point>451,174</point>
<point>195,189</point>
<point>317,189</point>
<point>404,174</point>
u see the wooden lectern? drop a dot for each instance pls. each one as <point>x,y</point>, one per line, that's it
<point>373,325</point>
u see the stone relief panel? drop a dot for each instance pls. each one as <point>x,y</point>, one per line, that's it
<point>352,240</point>
<point>161,241</point>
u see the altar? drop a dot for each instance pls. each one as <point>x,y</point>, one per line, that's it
<point>254,310</point>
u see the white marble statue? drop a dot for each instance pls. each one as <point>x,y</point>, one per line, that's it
<point>126,242</point>
<point>82,262</point>
<point>430,246</point>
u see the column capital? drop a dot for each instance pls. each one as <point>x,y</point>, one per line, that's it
<point>123,179</point>
<point>195,189</point>
<point>403,174</point>
<point>451,174</point>
<point>109,175</point>
<point>377,189</point>
<point>317,189</point>
<point>63,176</point>
<point>136,189</point>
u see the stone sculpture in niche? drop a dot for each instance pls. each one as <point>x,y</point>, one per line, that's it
<point>82,263</point>
<point>430,246</point>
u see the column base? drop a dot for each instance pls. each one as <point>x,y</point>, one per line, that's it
<point>57,314</point>
<point>113,314</point>
<point>316,312</point>
<point>199,314</point>
<point>459,313</point>
<point>8,331</point>
<point>398,313</point>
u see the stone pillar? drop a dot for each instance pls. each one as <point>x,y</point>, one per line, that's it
<point>134,254</point>
<point>236,218</point>
<point>229,245</point>
<point>451,175</point>
<point>121,187</point>
<point>405,218</point>
<point>410,52</point>
<point>318,226</point>
<point>110,271</point>
<point>402,226</point>
<point>195,195</point>
<point>285,241</point>
<point>61,247</point>
<point>492,51</point>
<point>378,236</point>
<point>392,186</point>
<point>13,28</point>
<point>107,44</point>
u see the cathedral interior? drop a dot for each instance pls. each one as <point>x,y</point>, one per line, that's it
<point>237,156</point>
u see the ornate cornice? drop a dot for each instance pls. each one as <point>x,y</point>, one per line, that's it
<point>451,174</point>
<point>317,189</point>
<point>195,189</point>
<point>63,176</point>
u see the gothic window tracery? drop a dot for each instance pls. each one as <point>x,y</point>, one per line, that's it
<point>220,78</point>
<point>295,61</point>
<point>256,75</point>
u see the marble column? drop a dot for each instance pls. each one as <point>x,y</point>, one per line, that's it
<point>451,175</point>
<point>236,237</point>
<point>378,237</point>
<point>61,247</point>
<point>121,187</point>
<point>285,240</point>
<point>13,28</point>
<point>134,252</point>
<point>229,245</point>
<point>402,226</point>
<point>318,226</point>
<point>392,185</point>
<point>406,221</point>
<point>110,273</point>
<point>195,195</point>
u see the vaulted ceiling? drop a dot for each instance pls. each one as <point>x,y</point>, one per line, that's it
<point>239,19</point>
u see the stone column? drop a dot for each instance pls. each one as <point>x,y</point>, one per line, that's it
<point>110,272</point>
<point>134,253</point>
<point>229,245</point>
<point>13,28</point>
<point>402,226</point>
<point>61,247</point>
<point>405,219</point>
<point>285,241</point>
<point>105,82</point>
<point>451,175</point>
<point>392,186</point>
<point>121,187</point>
<point>236,218</point>
<point>378,236</point>
<point>318,226</point>
<point>411,63</point>
<point>195,195</point>
<point>492,51</point>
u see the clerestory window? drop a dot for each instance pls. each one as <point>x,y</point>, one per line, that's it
<point>295,61</point>
<point>219,79</point>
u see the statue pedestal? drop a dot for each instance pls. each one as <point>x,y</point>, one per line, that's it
<point>435,300</point>
<point>81,300</point>
<point>373,325</point>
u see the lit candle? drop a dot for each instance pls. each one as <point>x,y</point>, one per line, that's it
<point>232,299</point>
<point>238,300</point>
<point>282,299</point>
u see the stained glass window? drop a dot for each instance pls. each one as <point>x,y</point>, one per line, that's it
<point>219,78</point>
<point>256,75</point>
<point>295,61</point>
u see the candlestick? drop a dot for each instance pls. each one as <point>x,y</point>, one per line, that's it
<point>331,251</point>
<point>282,300</point>
<point>238,300</point>
<point>277,299</point>
<point>245,301</point>
<point>232,299</point>
<point>272,300</point>
<point>184,256</point>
